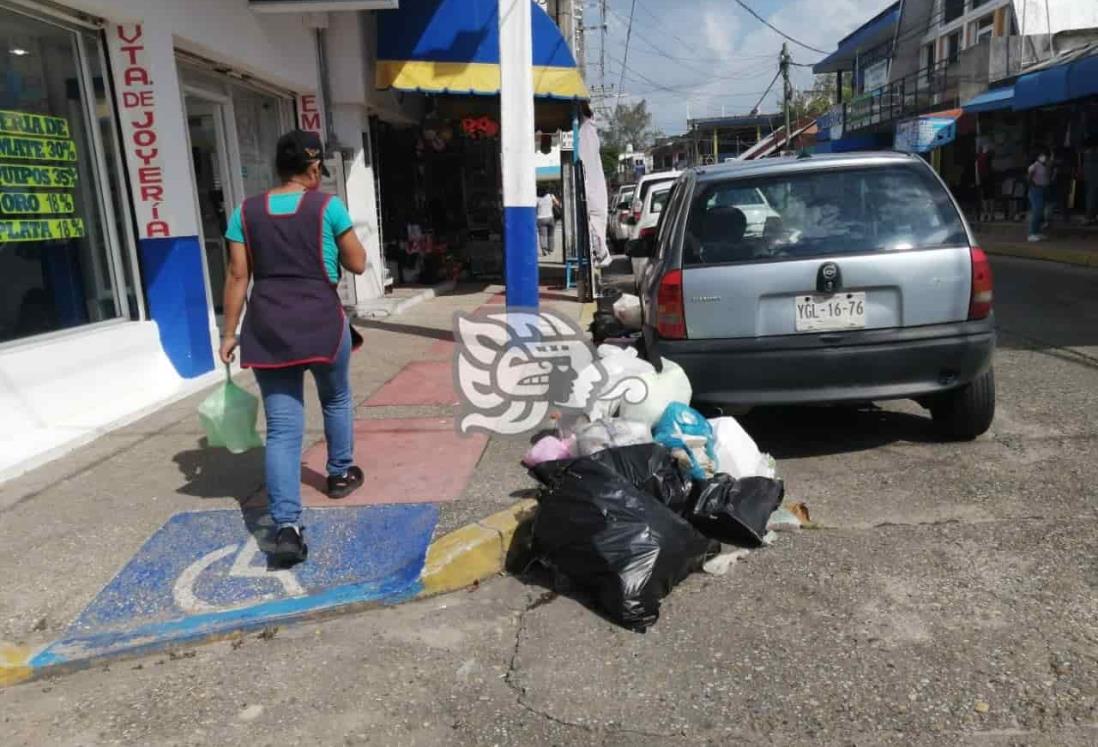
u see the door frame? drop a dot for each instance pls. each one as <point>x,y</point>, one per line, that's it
<point>228,162</point>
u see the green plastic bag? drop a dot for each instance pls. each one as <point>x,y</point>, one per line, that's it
<point>228,417</point>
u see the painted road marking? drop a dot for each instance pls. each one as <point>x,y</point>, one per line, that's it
<point>243,567</point>
<point>205,572</point>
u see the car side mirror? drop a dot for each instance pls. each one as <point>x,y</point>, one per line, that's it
<point>623,206</point>
<point>641,248</point>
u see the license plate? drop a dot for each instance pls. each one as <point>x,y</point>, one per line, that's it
<point>823,313</point>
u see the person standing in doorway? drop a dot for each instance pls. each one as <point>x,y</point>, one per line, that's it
<point>292,242</point>
<point>1090,177</point>
<point>1039,177</point>
<point>547,220</point>
<point>985,182</point>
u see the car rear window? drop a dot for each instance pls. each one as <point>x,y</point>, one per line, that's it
<point>647,186</point>
<point>821,213</point>
<point>659,199</point>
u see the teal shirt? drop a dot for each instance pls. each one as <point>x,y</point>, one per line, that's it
<point>337,221</point>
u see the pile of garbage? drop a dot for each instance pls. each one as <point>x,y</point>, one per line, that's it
<point>645,490</point>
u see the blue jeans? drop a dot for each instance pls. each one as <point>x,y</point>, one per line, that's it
<point>1036,208</point>
<point>283,391</point>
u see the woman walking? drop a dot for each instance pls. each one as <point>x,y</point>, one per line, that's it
<point>292,242</point>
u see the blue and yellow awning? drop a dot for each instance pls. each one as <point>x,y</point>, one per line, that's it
<point>452,46</point>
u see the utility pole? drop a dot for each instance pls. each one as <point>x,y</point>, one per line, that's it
<point>516,98</point>
<point>787,90</point>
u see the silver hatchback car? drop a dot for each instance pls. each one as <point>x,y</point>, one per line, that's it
<point>824,279</point>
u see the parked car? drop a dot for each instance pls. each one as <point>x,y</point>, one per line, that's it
<point>621,207</point>
<point>646,228</point>
<point>864,284</point>
<point>645,184</point>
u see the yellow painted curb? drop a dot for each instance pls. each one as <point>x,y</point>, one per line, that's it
<point>474,552</point>
<point>14,667</point>
<point>1047,253</point>
<point>587,315</point>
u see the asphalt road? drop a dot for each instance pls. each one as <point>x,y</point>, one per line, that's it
<point>950,597</point>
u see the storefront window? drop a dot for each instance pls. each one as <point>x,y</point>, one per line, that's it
<point>58,267</point>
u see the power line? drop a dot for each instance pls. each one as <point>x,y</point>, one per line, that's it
<point>628,36</point>
<point>767,91</point>
<point>775,29</point>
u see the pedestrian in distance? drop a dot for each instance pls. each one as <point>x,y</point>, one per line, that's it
<point>1038,176</point>
<point>547,220</point>
<point>292,242</point>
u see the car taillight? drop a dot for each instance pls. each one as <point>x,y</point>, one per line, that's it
<point>636,211</point>
<point>647,232</point>
<point>980,305</point>
<point>670,315</point>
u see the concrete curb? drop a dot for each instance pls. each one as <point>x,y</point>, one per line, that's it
<point>382,308</point>
<point>1078,258</point>
<point>455,561</point>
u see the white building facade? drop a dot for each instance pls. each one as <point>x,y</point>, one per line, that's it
<point>129,130</point>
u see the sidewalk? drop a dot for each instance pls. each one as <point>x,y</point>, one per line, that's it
<point>1073,245</point>
<point>145,538</point>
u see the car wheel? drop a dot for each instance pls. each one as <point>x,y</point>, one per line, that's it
<point>966,413</point>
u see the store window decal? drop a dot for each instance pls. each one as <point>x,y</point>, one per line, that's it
<point>50,143</point>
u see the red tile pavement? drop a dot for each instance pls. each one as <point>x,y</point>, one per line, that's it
<point>419,383</point>
<point>441,350</point>
<point>406,460</point>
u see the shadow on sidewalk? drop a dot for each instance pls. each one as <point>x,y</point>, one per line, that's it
<point>405,329</point>
<point>795,432</point>
<point>216,473</point>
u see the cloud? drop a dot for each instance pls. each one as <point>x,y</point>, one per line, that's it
<point>734,57</point>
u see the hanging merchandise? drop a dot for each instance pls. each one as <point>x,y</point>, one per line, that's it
<point>737,454</point>
<point>627,309</point>
<point>613,540</point>
<point>735,511</point>
<point>670,385</point>
<point>682,428</point>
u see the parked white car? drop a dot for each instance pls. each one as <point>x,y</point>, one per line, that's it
<point>644,186</point>
<point>648,223</point>
<point>621,208</point>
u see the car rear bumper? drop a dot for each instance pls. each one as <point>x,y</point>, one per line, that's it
<point>836,367</point>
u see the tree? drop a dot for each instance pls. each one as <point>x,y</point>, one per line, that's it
<point>810,103</point>
<point>629,125</point>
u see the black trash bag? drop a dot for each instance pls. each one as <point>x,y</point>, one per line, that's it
<point>605,326</point>
<point>651,468</point>
<point>735,511</point>
<point>612,540</point>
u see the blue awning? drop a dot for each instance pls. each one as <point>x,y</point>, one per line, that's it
<point>1073,79</point>
<point>989,101</point>
<point>873,33</point>
<point>452,46</point>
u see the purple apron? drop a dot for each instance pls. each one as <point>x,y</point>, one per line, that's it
<point>294,315</point>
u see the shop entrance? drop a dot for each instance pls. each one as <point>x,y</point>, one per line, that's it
<point>206,129</point>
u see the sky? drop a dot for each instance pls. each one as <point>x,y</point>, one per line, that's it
<point>702,58</point>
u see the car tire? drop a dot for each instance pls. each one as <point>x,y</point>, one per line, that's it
<point>965,413</point>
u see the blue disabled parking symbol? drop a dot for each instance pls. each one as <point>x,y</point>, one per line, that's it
<point>207,572</point>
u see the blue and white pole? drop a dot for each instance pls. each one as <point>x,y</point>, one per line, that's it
<point>516,95</point>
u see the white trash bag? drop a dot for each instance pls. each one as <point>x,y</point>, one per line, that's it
<point>670,385</point>
<point>627,310</point>
<point>609,434</point>
<point>737,454</point>
<point>624,372</point>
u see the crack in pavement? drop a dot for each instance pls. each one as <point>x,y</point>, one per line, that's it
<point>520,692</point>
